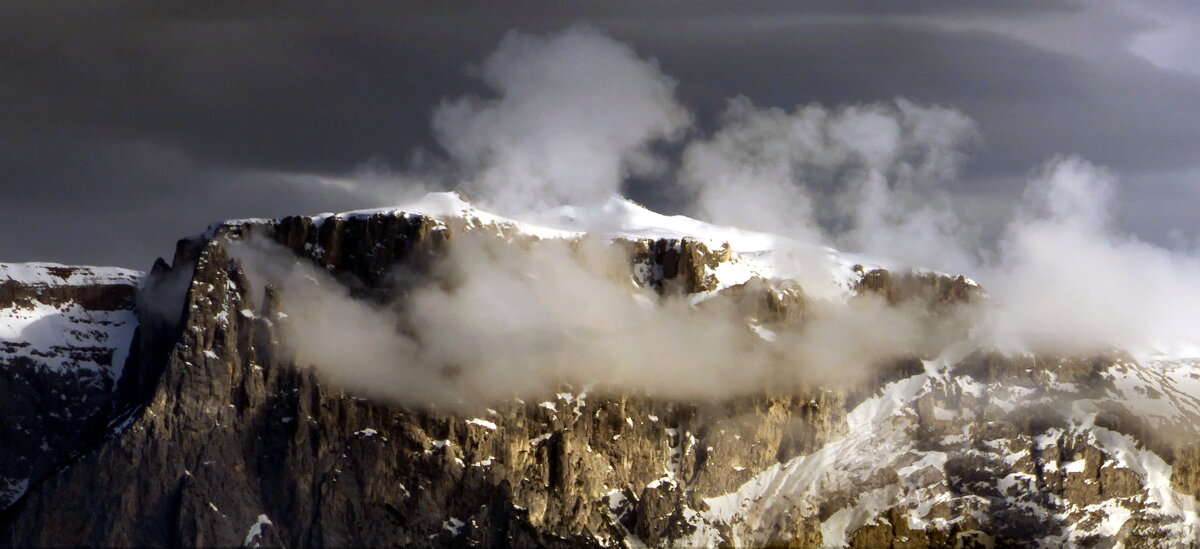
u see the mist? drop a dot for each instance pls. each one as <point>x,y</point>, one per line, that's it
<point>572,116</point>
<point>497,319</point>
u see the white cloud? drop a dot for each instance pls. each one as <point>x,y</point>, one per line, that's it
<point>865,177</point>
<point>575,114</point>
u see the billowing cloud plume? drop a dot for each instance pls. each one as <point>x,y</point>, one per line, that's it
<point>874,179</point>
<point>1068,279</point>
<point>574,114</point>
<point>863,177</point>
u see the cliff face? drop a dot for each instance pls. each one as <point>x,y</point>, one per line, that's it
<point>64,336</point>
<point>236,439</point>
<point>218,438</point>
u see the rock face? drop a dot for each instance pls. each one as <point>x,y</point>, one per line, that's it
<point>985,450</point>
<point>64,336</point>
<point>216,436</point>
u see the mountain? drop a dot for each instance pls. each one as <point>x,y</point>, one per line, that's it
<point>202,428</point>
<point>65,333</point>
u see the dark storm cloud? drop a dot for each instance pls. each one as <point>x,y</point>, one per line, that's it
<point>127,125</point>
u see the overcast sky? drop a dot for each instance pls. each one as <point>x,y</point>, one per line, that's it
<point>126,126</point>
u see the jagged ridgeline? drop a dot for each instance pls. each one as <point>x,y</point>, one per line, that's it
<point>220,432</point>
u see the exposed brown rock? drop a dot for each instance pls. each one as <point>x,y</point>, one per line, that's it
<point>929,287</point>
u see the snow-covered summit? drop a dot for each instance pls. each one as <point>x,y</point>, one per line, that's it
<point>65,332</point>
<point>823,271</point>
<point>616,217</point>
<point>56,274</point>
<point>51,317</point>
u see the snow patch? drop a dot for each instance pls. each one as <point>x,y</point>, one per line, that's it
<point>256,531</point>
<point>482,423</point>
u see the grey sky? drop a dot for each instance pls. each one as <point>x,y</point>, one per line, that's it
<point>128,125</point>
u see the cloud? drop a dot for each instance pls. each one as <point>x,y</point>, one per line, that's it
<point>497,319</point>
<point>865,177</point>
<point>875,179</point>
<point>1067,279</point>
<point>336,86</point>
<point>574,114</point>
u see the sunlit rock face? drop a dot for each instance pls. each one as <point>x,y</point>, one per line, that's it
<point>217,436</point>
